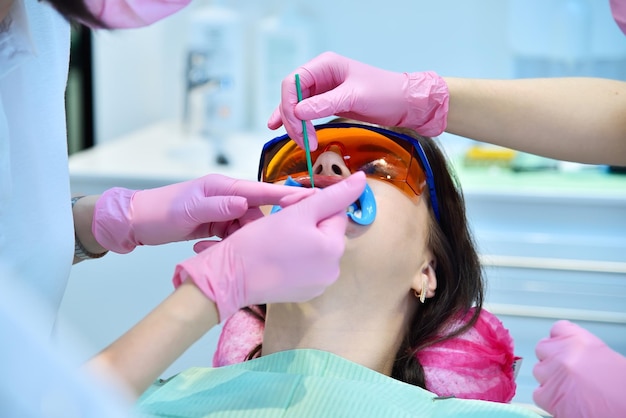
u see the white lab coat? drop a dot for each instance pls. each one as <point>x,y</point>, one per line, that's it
<point>36,226</point>
<point>40,380</point>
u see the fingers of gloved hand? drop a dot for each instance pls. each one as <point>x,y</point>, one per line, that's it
<point>216,209</point>
<point>311,136</point>
<point>542,396</point>
<point>226,228</point>
<point>338,101</point>
<point>295,131</point>
<point>295,198</point>
<point>289,98</point>
<point>553,382</point>
<point>579,376</point>
<point>260,194</point>
<point>250,216</point>
<point>284,114</point>
<point>321,74</point>
<point>335,225</point>
<point>560,333</point>
<point>200,246</point>
<point>315,226</point>
<point>331,200</point>
<point>298,265</point>
<point>326,91</point>
<point>275,121</point>
<point>545,348</point>
<point>545,369</point>
<point>564,328</point>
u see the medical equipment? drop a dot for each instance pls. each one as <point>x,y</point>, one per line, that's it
<point>382,154</point>
<point>307,149</point>
<point>215,86</point>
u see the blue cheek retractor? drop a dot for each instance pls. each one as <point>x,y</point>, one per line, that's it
<point>362,212</point>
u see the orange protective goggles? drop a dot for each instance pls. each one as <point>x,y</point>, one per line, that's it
<point>382,154</point>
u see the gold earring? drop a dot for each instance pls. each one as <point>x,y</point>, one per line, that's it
<point>422,296</point>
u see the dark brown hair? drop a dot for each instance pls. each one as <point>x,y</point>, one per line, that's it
<point>77,12</point>
<point>459,274</point>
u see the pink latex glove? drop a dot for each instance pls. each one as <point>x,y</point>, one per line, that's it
<point>133,13</point>
<point>213,205</point>
<point>334,85</point>
<point>289,256</point>
<point>618,9</point>
<point>578,375</point>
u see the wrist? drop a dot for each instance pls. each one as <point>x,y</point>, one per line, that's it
<point>428,100</point>
<point>211,273</point>
<point>86,246</point>
<point>195,309</point>
<point>112,221</point>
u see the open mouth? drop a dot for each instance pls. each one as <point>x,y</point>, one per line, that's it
<point>319,181</point>
<point>362,211</point>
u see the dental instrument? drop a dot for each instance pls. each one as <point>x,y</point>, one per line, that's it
<point>307,149</point>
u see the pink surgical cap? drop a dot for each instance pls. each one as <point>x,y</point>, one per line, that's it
<point>475,365</point>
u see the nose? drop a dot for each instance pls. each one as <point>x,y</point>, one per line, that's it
<point>330,163</point>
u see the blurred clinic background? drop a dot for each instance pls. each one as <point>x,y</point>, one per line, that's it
<point>192,94</point>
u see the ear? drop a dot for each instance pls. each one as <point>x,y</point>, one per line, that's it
<point>426,278</point>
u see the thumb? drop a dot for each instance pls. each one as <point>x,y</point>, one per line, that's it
<point>275,121</point>
<point>336,224</point>
<point>332,199</point>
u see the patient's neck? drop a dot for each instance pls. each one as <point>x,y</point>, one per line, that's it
<point>367,334</point>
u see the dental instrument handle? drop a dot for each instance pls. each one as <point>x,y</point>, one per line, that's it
<point>307,149</point>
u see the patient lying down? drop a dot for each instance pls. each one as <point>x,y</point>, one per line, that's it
<point>410,285</point>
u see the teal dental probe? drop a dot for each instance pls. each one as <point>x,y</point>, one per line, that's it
<point>307,150</point>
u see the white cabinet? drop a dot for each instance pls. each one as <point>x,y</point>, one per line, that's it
<point>553,246</point>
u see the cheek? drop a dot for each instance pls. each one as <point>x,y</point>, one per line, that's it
<point>398,218</point>
<point>395,242</point>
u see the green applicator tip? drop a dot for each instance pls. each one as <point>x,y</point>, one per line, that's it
<point>307,150</point>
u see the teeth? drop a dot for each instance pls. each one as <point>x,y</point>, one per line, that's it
<point>354,210</point>
<point>363,211</point>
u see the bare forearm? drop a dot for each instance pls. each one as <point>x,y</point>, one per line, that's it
<point>144,352</point>
<point>575,119</point>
